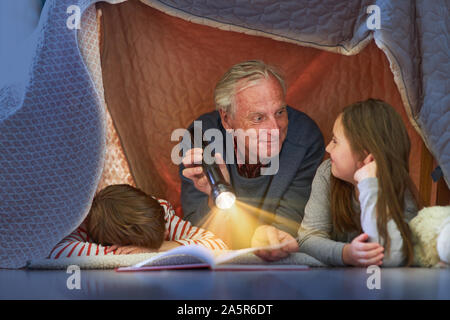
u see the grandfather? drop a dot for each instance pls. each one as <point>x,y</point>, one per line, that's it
<point>251,95</point>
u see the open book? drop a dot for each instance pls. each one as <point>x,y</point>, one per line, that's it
<point>195,257</point>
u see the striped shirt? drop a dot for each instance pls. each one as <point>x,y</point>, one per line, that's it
<point>78,243</point>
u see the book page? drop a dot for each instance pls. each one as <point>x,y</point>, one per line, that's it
<point>180,255</point>
<point>261,267</point>
<point>236,253</point>
<point>195,255</point>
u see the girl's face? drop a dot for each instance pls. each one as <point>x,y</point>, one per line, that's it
<point>344,162</point>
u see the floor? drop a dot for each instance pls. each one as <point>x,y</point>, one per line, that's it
<point>315,283</point>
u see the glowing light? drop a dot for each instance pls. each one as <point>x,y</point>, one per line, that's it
<point>225,200</point>
<point>236,225</point>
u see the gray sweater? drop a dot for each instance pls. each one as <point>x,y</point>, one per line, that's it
<point>317,236</point>
<point>277,199</point>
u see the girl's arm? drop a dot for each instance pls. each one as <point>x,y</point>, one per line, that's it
<point>316,227</point>
<point>77,245</point>
<point>184,233</point>
<point>368,196</point>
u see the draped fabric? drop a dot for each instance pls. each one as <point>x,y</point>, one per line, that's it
<point>158,65</point>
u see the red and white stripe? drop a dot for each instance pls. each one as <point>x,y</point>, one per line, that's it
<point>183,232</point>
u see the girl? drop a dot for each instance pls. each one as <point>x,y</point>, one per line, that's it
<point>362,197</point>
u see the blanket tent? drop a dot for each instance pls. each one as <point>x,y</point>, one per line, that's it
<point>85,107</point>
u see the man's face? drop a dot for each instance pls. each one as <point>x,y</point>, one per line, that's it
<point>260,109</point>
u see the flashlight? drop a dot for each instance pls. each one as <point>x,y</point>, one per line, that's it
<point>222,192</point>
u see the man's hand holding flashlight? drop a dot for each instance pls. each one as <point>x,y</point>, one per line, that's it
<point>192,162</point>
<point>266,235</point>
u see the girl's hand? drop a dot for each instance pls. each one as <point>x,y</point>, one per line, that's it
<point>368,170</point>
<point>129,249</point>
<point>359,253</point>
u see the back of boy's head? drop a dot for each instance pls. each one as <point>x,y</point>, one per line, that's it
<point>124,215</point>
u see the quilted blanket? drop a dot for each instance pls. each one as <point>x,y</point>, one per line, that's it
<point>51,135</point>
<point>112,262</point>
<point>414,35</point>
<point>52,123</point>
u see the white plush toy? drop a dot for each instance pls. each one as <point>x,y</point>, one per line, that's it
<point>443,242</point>
<point>431,237</point>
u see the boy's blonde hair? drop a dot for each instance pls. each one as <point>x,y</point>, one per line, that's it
<point>124,215</point>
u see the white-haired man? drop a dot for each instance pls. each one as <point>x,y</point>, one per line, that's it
<point>251,97</point>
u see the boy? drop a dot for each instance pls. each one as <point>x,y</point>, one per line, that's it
<point>124,220</point>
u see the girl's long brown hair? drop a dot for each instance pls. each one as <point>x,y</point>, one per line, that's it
<point>373,126</point>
